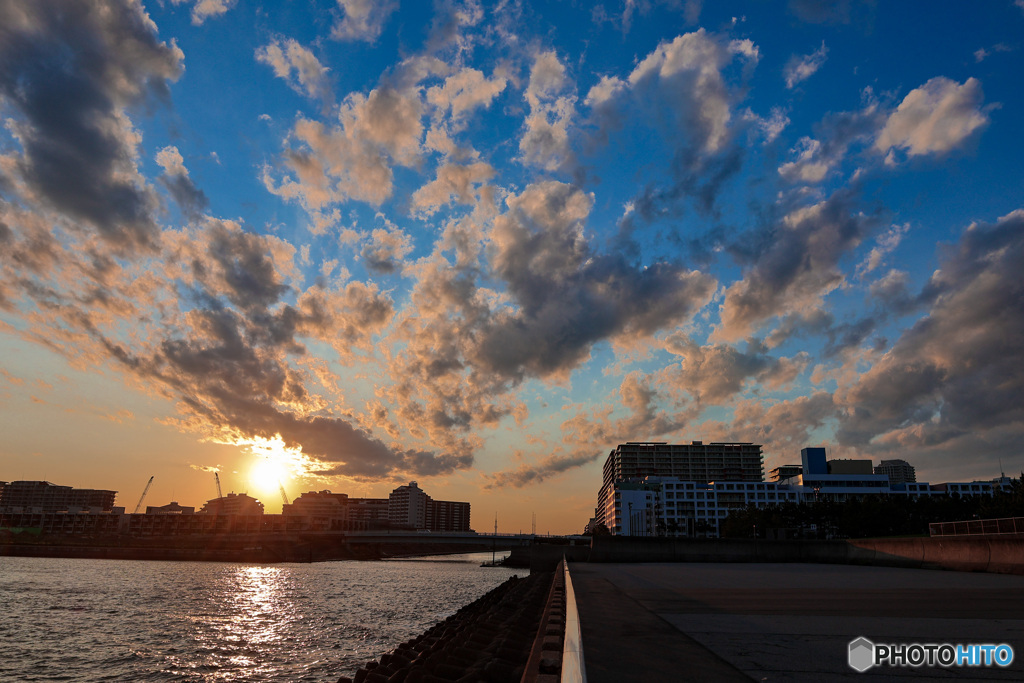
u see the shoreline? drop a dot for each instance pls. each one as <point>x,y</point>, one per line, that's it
<point>221,549</point>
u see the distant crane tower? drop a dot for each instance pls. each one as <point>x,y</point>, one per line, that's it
<point>143,496</point>
<point>217,478</point>
<point>284,496</point>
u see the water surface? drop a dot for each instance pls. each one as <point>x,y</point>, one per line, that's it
<point>120,620</point>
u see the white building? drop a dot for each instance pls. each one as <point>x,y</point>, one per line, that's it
<point>407,506</point>
<point>669,506</point>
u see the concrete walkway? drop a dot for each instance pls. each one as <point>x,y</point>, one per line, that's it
<point>785,622</point>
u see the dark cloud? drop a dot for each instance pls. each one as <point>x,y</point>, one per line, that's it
<point>958,370</point>
<point>68,70</point>
<point>834,135</point>
<point>530,474</point>
<point>243,265</point>
<point>568,296</point>
<point>795,262</point>
<point>232,377</point>
<point>190,198</point>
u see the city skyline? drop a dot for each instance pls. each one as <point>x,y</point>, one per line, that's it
<point>346,245</point>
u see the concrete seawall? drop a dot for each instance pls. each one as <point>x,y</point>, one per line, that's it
<point>995,555</point>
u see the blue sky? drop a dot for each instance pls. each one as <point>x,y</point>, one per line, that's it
<point>349,244</point>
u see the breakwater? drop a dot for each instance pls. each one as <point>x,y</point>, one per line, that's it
<point>490,639</point>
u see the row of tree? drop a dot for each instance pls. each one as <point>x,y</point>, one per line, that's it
<point>871,516</point>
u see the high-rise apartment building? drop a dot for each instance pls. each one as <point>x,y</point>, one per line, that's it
<point>410,506</point>
<point>899,471</point>
<point>407,506</point>
<point>696,462</point>
<point>447,515</point>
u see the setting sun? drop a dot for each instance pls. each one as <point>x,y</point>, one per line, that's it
<point>267,474</point>
<point>274,466</point>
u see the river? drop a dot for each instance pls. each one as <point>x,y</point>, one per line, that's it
<point>120,620</point>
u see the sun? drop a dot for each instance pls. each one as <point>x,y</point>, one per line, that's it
<point>274,466</point>
<point>266,474</point>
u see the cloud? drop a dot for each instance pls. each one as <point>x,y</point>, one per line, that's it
<point>363,19</point>
<point>817,157</point>
<point>385,249</point>
<point>981,54</point>
<point>715,373</point>
<point>934,119</point>
<point>207,324</point>
<point>771,126</point>
<point>175,178</point>
<point>205,9</point>
<point>224,261</point>
<point>956,371</point>
<point>795,263</point>
<point>679,90</point>
<point>800,68</point>
<point>887,243</point>
<point>299,67</point>
<point>545,142</point>
<point>567,296</point>
<point>70,71</point>
<point>588,435</point>
<point>535,473</point>
<point>333,164</point>
<point>347,318</point>
<point>783,427</point>
<point>464,91</point>
<point>464,348</point>
<point>456,182</point>
<point>686,73</point>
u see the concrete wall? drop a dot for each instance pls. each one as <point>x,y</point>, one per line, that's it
<point>545,557</point>
<point>1003,556</point>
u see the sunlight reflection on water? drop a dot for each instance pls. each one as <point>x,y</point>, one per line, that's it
<point>110,620</point>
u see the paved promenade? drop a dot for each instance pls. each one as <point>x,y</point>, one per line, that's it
<point>785,622</point>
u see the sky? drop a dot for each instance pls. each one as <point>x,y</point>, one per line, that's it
<point>344,245</point>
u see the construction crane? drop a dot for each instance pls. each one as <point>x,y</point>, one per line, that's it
<point>217,478</point>
<point>284,496</point>
<point>143,496</point>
